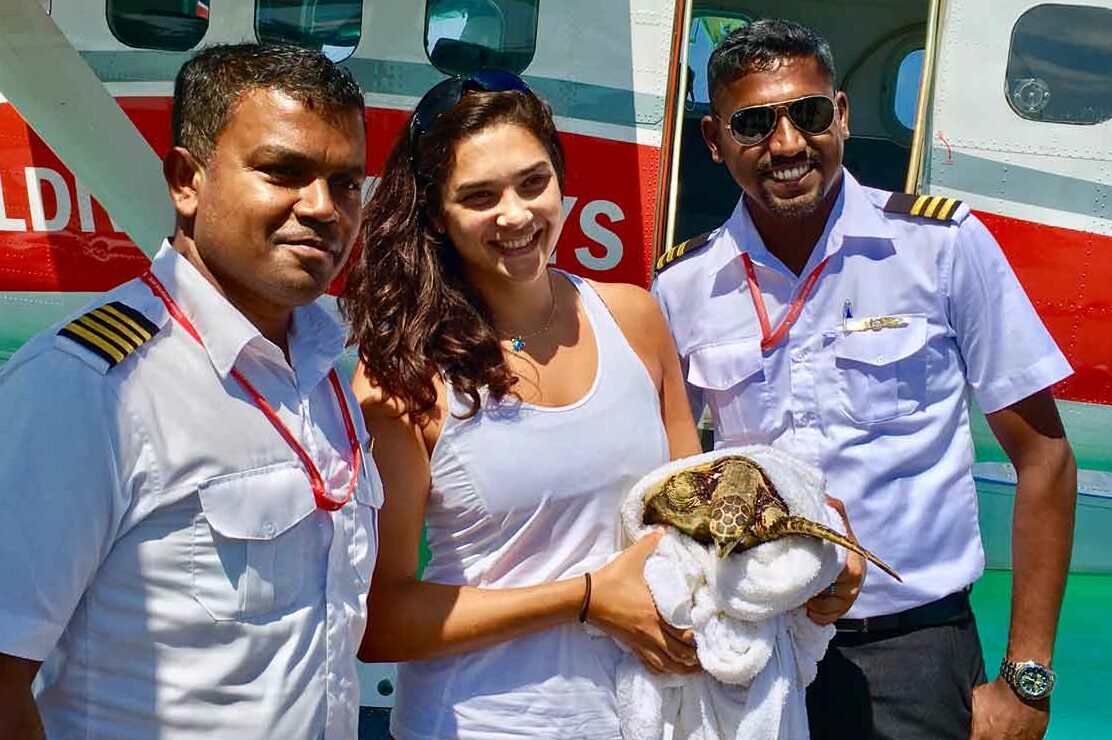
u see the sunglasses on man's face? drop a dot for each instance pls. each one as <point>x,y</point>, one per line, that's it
<point>812,114</point>
<point>444,96</point>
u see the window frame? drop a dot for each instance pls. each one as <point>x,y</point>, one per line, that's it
<point>358,40</point>
<point>497,4</point>
<point>1007,86</point>
<point>696,107</point>
<point>109,20</point>
<point>898,130</point>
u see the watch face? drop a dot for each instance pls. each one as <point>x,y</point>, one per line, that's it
<point>1033,681</point>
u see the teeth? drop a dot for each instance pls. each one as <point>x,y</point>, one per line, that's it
<point>792,174</point>
<point>516,243</point>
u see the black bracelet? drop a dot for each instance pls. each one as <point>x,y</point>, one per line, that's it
<point>586,598</point>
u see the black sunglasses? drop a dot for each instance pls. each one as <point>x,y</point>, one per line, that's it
<point>812,114</point>
<point>444,95</point>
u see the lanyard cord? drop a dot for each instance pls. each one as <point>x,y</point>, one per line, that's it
<point>770,338</point>
<point>316,481</point>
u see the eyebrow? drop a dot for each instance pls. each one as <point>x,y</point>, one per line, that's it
<point>531,169</point>
<point>279,153</point>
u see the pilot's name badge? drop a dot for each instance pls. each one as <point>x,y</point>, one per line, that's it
<point>874,323</point>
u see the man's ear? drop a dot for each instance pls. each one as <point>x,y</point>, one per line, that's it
<point>709,128</point>
<point>184,176</point>
<point>843,112</point>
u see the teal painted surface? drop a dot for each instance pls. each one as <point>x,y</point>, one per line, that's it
<point>1087,427</point>
<point>1080,709</point>
<point>568,98</point>
<point>22,315</point>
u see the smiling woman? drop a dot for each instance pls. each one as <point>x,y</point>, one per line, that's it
<point>512,406</point>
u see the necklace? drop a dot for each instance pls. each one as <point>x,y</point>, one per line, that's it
<point>517,341</point>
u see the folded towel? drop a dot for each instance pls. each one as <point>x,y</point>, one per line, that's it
<point>754,640</point>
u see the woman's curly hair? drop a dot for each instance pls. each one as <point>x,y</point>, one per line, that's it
<point>411,311</point>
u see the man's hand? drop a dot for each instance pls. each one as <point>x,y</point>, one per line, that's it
<point>998,714</point>
<point>829,605</point>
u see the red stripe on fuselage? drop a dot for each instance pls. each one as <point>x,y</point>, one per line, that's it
<point>1066,275</point>
<point>606,235</point>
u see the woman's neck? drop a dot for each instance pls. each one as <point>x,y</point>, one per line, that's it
<point>518,307</point>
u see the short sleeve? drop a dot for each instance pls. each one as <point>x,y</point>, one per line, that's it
<point>694,394</point>
<point>1008,353</point>
<point>59,493</point>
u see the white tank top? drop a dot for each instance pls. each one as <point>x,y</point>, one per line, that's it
<point>522,495</point>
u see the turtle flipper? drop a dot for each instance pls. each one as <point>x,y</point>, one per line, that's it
<point>799,525</point>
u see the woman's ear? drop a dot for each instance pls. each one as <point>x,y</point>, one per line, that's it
<point>184,177</point>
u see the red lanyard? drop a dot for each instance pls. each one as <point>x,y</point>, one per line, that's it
<point>770,338</point>
<point>324,501</point>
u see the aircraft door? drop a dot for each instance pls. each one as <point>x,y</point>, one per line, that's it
<point>878,57</point>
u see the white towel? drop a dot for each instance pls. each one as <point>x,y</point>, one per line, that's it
<point>756,645</point>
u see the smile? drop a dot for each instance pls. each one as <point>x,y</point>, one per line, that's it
<point>511,245</point>
<point>791,174</point>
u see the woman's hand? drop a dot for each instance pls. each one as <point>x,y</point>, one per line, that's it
<point>829,605</point>
<point>622,607</point>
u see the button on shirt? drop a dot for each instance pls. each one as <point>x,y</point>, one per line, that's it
<point>882,412</point>
<point>163,553</point>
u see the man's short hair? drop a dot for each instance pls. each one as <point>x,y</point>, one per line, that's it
<point>210,85</point>
<point>758,46</point>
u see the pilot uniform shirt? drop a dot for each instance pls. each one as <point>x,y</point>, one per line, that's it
<point>163,553</point>
<point>882,412</point>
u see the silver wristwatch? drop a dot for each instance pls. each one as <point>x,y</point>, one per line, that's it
<point>1030,680</point>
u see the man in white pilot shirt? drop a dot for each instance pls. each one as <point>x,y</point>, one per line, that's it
<point>189,506</point>
<point>844,324</point>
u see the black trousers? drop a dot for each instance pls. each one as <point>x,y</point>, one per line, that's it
<point>914,685</point>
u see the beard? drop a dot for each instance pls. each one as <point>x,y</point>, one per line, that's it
<point>798,207</point>
<point>802,205</point>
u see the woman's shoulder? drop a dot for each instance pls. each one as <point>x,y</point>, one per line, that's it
<point>627,302</point>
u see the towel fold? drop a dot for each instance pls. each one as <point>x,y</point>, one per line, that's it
<point>756,645</point>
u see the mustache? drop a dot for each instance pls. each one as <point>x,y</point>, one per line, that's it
<point>314,232</point>
<point>808,157</point>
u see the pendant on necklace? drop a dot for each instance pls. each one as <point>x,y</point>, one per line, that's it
<point>517,343</point>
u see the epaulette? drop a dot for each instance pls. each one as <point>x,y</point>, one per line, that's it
<point>681,250</point>
<point>934,207</point>
<point>111,332</point>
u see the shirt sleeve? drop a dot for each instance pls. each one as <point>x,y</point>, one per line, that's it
<point>1007,351</point>
<point>694,394</point>
<point>59,493</point>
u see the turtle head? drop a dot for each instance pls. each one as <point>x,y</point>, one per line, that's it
<point>726,546</point>
<point>727,523</point>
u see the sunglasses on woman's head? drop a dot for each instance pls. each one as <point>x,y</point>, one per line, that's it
<point>444,96</point>
<point>812,114</point>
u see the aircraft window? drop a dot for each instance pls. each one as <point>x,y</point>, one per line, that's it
<point>167,25</point>
<point>1060,65</point>
<point>907,88</point>
<point>329,26</point>
<point>706,32</point>
<point>462,36</point>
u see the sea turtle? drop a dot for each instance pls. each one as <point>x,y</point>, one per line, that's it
<point>732,503</point>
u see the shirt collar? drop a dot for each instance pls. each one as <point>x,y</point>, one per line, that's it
<point>853,216</point>
<point>315,339</point>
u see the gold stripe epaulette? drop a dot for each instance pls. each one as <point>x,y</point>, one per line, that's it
<point>934,207</point>
<point>681,250</point>
<point>112,331</point>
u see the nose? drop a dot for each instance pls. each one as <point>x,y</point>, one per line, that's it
<point>514,212</point>
<point>786,140</point>
<point>315,202</point>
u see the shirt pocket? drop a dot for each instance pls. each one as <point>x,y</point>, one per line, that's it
<point>361,522</point>
<point>882,375</point>
<point>253,555</point>
<point>733,380</point>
